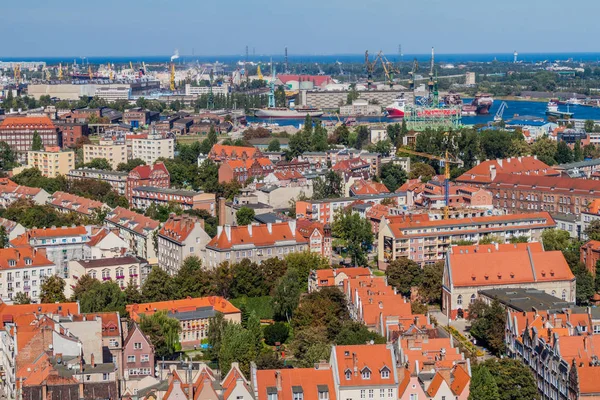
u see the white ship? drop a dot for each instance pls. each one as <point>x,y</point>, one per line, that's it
<point>287,113</point>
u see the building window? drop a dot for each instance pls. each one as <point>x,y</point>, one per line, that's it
<point>130,359</point>
<point>371,393</point>
<point>145,358</point>
<point>459,300</point>
<point>390,393</point>
<point>137,346</point>
<point>366,374</point>
<point>385,373</point>
<point>472,298</point>
<point>323,395</point>
<point>348,375</point>
<point>564,295</point>
<point>298,396</point>
<point>362,394</point>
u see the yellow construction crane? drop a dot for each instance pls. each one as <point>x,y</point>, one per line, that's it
<point>131,65</point>
<point>388,68</point>
<point>111,75</point>
<point>259,73</point>
<point>17,73</point>
<point>172,80</point>
<point>444,162</point>
<point>90,73</point>
<point>59,75</point>
<point>47,74</point>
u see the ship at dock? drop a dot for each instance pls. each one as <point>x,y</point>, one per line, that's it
<point>287,113</point>
<point>454,99</point>
<point>482,103</point>
<point>552,111</point>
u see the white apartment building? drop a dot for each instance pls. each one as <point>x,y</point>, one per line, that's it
<point>152,148</point>
<point>198,90</point>
<point>136,229</point>
<point>23,271</point>
<point>116,179</point>
<point>113,92</point>
<point>108,149</point>
<point>181,236</point>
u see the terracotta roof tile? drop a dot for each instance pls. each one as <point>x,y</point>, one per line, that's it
<point>131,220</point>
<point>262,235</point>
<point>179,227</point>
<point>307,378</point>
<point>373,357</point>
<point>515,165</point>
<point>20,256</point>
<point>32,122</point>
<point>75,203</point>
<point>220,304</point>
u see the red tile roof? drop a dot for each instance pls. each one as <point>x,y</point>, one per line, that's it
<point>516,165</point>
<point>110,322</point>
<point>133,221</point>
<point>374,357</point>
<point>8,312</point>
<point>55,232</point>
<point>306,378</point>
<point>20,256</point>
<point>75,203</point>
<point>362,187</point>
<point>179,227</point>
<point>220,304</point>
<point>27,122</point>
<point>144,171</point>
<point>259,235</point>
<point>556,184</point>
<point>221,150</point>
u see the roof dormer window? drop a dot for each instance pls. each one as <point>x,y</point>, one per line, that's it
<point>12,263</point>
<point>28,261</point>
<point>385,373</point>
<point>366,373</point>
<point>348,374</point>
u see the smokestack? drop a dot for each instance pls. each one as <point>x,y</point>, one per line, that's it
<point>222,210</point>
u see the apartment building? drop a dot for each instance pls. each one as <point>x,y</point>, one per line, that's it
<point>61,245</point>
<point>67,202</point>
<point>194,315</point>
<point>486,172</point>
<point>11,192</point>
<point>154,175</point>
<point>136,229</point>
<point>12,228</point>
<point>138,117</point>
<point>23,271</point>
<point>18,133</point>
<point>181,236</point>
<point>241,170</point>
<point>254,242</point>
<point>470,269</point>
<point>117,180</point>
<point>72,132</point>
<point>51,161</point>
<point>426,241</point>
<point>318,236</point>
<point>115,152</point>
<point>333,156</point>
<point>153,147</point>
<point>143,197</point>
<point>105,243</point>
<point>324,210</point>
<point>316,383</point>
<point>220,153</point>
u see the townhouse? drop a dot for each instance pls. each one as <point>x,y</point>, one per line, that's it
<point>181,236</point>
<point>315,383</point>
<point>334,277</point>
<point>318,236</point>
<point>426,241</point>
<point>486,172</point>
<point>470,269</point>
<point>254,242</point>
<point>137,358</point>
<point>136,229</point>
<point>240,170</point>
<point>194,315</point>
<point>23,270</point>
<point>105,243</point>
<point>12,228</point>
<point>220,153</point>
<point>11,192</point>
<point>333,156</point>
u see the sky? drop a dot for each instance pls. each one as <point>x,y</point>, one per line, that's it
<point>224,27</point>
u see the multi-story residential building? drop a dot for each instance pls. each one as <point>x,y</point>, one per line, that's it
<point>155,175</point>
<point>316,383</point>
<point>194,315</point>
<point>589,254</point>
<point>427,240</point>
<point>11,192</point>
<point>519,193</point>
<point>579,169</point>
<point>138,355</point>
<point>334,277</point>
<point>12,228</point>
<point>51,162</point>
<point>143,197</point>
<point>181,236</point>
<point>324,210</point>
<point>18,133</point>
<point>153,147</point>
<point>117,180</point>
<point>67,202</point>
<point>72,132</point>
<point>353,168</point>
<point>241,170</point>
<point>23,271</point>
<point>364,371</point>
<point>138,117</point>
<point>136,229</point>
<point>113,151</point>
<point>13,315</point>
<point>105,243</point>
<point>333,156</point>
<point>255,242</point>
<point>61,244</point>
<point>486,172</point>
<point>123,270</point>
<point>469,269</point>
<point>318,236</point>
<point>220,153</point>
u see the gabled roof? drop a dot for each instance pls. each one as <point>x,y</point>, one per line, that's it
<point>309,380</point>
<point>375,357</point>
<point>217,303</point>
<point>179,227</point>
<point>23,257</point>
<point>461,380</point>
<point>9,312</point>
<point>110,322</point>
<point>133,221</point>
<point>27,122</point>
<point>221,150</point>
<point>515,165</point>
<point>78,204</point>
<point>362,186</point>
<point>261,235</point>
<point>145,171</point>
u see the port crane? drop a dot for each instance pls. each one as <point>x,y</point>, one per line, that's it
<point>172,77</point>
<point>388,68</point>
<point>47,74</point>
<point>411,79</point>
<point>321,72</point>
<point>90,73</point>
<point>432,84</point>
<point>370,67</point>
<point>445,163</point>
<point>59,74</point>
<point>259,73</point>
<point>340,66</point>
<point>500,112</point>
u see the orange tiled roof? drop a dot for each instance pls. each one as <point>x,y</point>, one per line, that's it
<point>515,165</point>
<point>498,248</point>
<point>374,357</point>
<point>307,378</point>
<point>144,171</point>
<point>20,256</point>
<point>306,227</point>
<point>179,227</point>
<point>594,205</point>
<point>588,379</point>
<point>75,203</point>
<point>461,380</point>
<point>56,232</point>
<point>262,235</point>
<point>378,212</point>
<point>507,268</point>
<point>29,122</point>
<point>110,322</point>
<point>362,187</point>
<point>220,304</point>
<point>232,151</point>
<point>131,220</point>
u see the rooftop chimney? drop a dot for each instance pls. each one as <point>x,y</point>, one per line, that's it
<point>270,227</point>
<point>222,210</point>
<point>250,229</point>
<point>292,225</point>
<point>228,232</point>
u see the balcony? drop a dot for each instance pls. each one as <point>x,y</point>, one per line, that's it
<point>120,276</point>
<point>26,288</point>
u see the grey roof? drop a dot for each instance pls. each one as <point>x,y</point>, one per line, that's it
<point>268,189</point>
<point>253,206</point>
<point>522,300</point>
<point>107,262</point>
<point>270,218</point>
<point>180,192</point>
<point>100,171</point>
<point>580,164</point>
<point>198,313</point>
<point>565,217</point>
<point>363,206</point>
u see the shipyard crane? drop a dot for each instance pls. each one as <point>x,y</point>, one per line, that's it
<point>388,68</point>
<point>272,87</point>
<point>321,72</point>
<point>500,112</point>
<point>445,163</point>
<point>90,73</point>
<point>131,65</point>
<point>110,72</point>
<point>370,67</point>
<point>432,84</point>
<point>59,75</point>
<point>172,77</point>
<point>340,66</point>
<point>259,73</point>
<point>17,73</point>
<point>144,68</point>
<point>47,74</point>
<point>411,79</point>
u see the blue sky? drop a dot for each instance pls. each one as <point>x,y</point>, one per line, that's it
<point>224,27</point>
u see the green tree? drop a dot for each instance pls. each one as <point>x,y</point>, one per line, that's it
<point>130,165</point>
<point>132,294</point>
<point>564,154</point>
<point>7,156</point>
<point>191,280</point>
<point>589,125</point>
<point>328,187</point>
<point>36,143</point>
<point>106,296</point>
<point>488,323</point>
<point>483,385</point>
<point>53,290</point>
<point>593,230</point>
<point>3,237</point>
<point>274,145</point>
<point>356,232</point>
<point>99,163</point>
<point>237,346</point>
<point>277,332</point>
<point>22,298</point>
<point>403,274</point>
<point>158,286</point>
<point>354,332</point>
<point>577,152</point>
<point>244,216</point>
<point>392,176</point>
<point>585,284</point>
<point>430,289</point>
<point>353,94</point>
<point>421,171</point>
<point>303,263</point>
<point>253,326</point>
<point>287,295</point>
<point>545,150</point>
<point>216,330</point>
<point>162,331</point>
<point>514,379</point>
